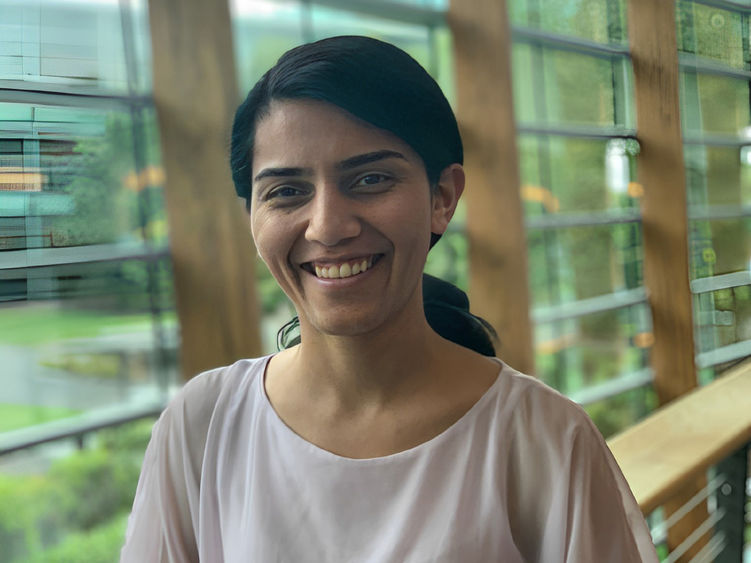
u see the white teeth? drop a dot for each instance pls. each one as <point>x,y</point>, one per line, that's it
<point>345,270</point>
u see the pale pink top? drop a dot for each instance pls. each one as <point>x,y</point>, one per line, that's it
<point>522,476</point>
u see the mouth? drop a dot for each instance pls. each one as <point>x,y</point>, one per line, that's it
<point>343,269</point>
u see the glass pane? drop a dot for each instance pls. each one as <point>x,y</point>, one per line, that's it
<point>522,83</point>
<point>714,104</point>
<point>560,87</point>
<point>583,262</point>
<point>68,177</point>
<point>577,353</point>
<point>87,336</point>
<point>603,21</point>
<point>262,31</point>
<point>720,246</point>
<point>617,413</point>
<point>73,43</point>
<point>722,317</point>
<point>569,175</point>
<point>711,32</point>
<point>717,176</point>
<point>448,258</point>
<point>414,39</point>
<point>62,502</point>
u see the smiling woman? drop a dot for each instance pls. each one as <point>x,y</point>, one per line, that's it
<point>384,435</point>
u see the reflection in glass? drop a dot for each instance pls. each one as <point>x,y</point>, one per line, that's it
<point>719,247</point>
<point>570,175</point>
<point>603,21</point>
<point>559,87</point>
<point>580,352</point>
<point>583,262</point>
<point>77,44</point>
<point>714,104</point>
<point>712,32</point>
<point>722,318</point>
<point>68,177</point>
<point>717,176</point>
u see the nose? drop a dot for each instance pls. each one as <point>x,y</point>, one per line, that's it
<point>333,218</point>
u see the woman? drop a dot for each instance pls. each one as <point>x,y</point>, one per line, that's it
<point>374,439</point>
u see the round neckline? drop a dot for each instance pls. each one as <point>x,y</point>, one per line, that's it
<point>414,450</point>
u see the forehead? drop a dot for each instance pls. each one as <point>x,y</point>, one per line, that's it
<point>309,133</point>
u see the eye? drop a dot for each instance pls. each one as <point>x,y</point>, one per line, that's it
<point>373,179</point>
<point>284,191</point>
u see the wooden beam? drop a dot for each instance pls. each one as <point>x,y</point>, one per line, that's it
<point>195,94</point>
<point>654,55</point>
<point>499,288</point>
<point>661,173</point>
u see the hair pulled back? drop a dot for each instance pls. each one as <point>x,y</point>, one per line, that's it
<point>373,80</point>
<point>384,86</point>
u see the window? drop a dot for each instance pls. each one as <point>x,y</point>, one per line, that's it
<point>577,148</point>
<point>714,58</point>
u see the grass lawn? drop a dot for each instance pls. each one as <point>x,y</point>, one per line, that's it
<point>13,417</point>
<point>36,324</point>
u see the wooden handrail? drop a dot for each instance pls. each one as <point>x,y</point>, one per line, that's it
<point>662,453</point>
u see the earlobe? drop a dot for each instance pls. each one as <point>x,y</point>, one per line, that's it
<point>446,197</point>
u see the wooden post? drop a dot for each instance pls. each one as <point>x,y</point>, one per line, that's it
<point>664,215</point>
<point>499,288</point>
<point>195,94</point>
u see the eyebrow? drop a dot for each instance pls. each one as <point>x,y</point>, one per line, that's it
<point>281,173</point>
<point>346,164</point>
<point>367,158</point>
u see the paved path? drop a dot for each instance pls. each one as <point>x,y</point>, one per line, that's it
<point>24,380</point>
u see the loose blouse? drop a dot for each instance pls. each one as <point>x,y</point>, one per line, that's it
<point>523,476</point>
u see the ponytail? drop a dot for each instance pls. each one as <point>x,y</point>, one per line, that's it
<point>447,311</point>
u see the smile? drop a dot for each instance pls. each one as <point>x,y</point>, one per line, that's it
<point>345,269</point>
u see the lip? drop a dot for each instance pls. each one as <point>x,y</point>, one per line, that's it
<point>328,260</point>
<point>309,267</point>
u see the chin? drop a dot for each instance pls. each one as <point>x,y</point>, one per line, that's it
<point>347,324</point>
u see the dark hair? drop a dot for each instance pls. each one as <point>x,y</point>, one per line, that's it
<point>374,81</point>
<point>384,86</point>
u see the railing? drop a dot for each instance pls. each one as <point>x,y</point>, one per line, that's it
<point>687,465</point>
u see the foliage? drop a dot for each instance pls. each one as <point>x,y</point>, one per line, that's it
<point>77,510</point>
<point>98,545</point>
<point>616,413</point>
<point>106,209</point>
<point>96,486</point>
<point>24,509</point>
<point>13,416</point>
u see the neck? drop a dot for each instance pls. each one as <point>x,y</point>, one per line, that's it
<point>369,369</point>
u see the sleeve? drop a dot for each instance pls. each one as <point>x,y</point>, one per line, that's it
<point>163,524</point>
<point>593,516</point>
<point>568,500</point>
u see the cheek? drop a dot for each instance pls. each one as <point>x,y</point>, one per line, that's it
<point>266,237</point>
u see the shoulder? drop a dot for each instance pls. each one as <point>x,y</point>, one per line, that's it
<point>563,484</point>
<point>534,407</point>
<point>193,407</point>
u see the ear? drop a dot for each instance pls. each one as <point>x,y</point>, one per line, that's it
<point>445,197</point>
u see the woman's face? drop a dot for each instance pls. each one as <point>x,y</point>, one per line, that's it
<point>341,214</point>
